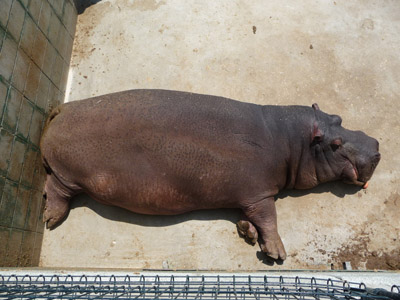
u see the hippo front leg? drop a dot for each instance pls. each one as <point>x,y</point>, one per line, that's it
<point>262,214</point>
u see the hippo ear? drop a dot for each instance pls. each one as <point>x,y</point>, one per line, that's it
<point>317,134</point>
<point>315,106</point>
<point>336,120</point>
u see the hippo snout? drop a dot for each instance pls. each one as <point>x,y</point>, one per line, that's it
<point>367,168</point>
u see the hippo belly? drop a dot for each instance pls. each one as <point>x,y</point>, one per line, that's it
<point>135,152</point>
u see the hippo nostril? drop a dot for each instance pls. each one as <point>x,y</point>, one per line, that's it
<point>377,156</point>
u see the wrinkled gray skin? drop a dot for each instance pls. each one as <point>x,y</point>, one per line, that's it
<point>165,152</point>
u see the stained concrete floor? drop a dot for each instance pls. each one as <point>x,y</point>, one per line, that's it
<point>344,55</point>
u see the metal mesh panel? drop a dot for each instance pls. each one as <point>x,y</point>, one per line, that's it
<point>185,287</point>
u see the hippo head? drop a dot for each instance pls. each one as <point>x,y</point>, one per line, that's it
<point>339,153</point>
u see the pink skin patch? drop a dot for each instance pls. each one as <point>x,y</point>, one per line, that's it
<point>350,172</point>
<point>364,185</point>
<point>355,172</point>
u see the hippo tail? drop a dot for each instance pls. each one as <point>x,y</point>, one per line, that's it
<point>54,112</point>
<point>52,115</point>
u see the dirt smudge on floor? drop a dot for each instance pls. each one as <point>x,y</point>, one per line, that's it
<point>359,251</point>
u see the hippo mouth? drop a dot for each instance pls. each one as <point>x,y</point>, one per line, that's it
<point>350,175</point>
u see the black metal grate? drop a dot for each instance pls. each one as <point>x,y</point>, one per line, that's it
<point>185,287</point>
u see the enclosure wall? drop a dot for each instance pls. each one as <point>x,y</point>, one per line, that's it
<point>35,48</point>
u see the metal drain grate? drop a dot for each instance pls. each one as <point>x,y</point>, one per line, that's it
<point>185,287</point>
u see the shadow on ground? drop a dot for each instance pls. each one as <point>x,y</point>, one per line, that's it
<point>229,214</point>
<point>337,188</point>
<point>232,215</point>
<point>81,5</point>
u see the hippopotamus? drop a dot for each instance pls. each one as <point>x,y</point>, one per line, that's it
<point>163,152</point>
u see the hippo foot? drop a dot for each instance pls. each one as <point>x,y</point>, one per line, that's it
<point>248,231</point>
<point>273,247</point>
<point>50,220</point>
<point>57,203</point>
<point>54,212</point>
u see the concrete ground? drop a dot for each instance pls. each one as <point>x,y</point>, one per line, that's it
<point>344,55</point>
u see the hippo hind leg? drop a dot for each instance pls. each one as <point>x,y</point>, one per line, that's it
<point>57,198</point>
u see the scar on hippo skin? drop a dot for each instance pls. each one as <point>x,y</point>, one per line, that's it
<point>162,152</point>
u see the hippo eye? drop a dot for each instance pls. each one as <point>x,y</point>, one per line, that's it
<point>336,144</point>
<point>334,147</point>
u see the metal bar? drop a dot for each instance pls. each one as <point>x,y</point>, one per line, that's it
<point>184,287</point>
